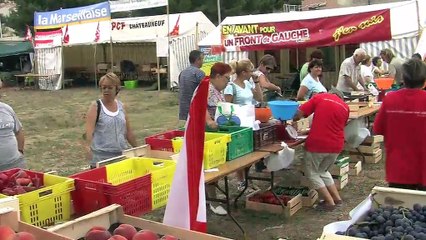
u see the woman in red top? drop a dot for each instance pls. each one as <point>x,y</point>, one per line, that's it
<point>402,122</point>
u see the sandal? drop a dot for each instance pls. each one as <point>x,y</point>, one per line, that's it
<point>325,207</point>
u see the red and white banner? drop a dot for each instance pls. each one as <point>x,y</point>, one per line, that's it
<point>97,34</point>
<point>28,34</point>
<point>186,207</point>
<point>48,39</point>
<point>337,30</point>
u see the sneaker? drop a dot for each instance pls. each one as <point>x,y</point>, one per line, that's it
<point>219,210</point>
<point>241,186</point>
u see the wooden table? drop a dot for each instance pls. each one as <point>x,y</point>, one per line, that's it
<point>34,75</point>
<point>364,112</point>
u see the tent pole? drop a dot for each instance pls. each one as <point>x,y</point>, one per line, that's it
<point>197,36</point>
<point>112,55</point>
<point>63,69</point>
<point>168,50</point>
<point>419,24</point>
<point>94,62</point>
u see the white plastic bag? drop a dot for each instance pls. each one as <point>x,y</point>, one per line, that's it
<point>355,133</point>
<point>280,160</point>
<point>244,112</point>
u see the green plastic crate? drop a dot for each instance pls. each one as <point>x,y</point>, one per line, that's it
<point>241,140</point>
<point>131,84</point>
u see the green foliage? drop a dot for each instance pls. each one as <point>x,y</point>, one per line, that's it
<point>24,12</point>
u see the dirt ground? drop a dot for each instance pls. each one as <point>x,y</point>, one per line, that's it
<point>54,124</point>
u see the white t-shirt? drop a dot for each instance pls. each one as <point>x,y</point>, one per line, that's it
<point>348,68</point>
<point>244,95</point>
<point>313,86</point>
<point>366,73</point>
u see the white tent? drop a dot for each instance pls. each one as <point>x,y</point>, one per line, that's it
<point>185,29</point>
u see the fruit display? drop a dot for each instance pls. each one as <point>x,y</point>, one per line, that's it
<point>291,191</point>
<point>270,198</point>
<point>18,183</point>
<point>7,233</point>
<point>124,231</point>
<point>391,223</point>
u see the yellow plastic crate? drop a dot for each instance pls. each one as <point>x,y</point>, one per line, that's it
<point>162,172</point>
<point>215,148</point>
<point>48,205</point>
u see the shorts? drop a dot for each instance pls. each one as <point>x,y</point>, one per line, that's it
<point>20,163</point>
<point>316,165</point>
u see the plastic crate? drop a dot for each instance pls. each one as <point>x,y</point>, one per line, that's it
<point>48,205</point>
<point>241,140</point>
<point>138,184</point>
<point>266,135</point>
<point>215,147</point>
<point>163,141</point>
<point>131,84</point>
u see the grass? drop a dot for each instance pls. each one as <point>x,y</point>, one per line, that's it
<point>54,124</point>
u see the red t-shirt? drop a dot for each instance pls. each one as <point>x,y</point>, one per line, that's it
<point>402,121</point>
<point>327,130</point>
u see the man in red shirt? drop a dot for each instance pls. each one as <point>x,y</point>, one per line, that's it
<point>402,121</point>
<point>324,143</point>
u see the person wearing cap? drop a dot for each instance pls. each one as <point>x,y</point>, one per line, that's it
<point>350,73</point>
<point>266,64</point>
<point>324,143</point>
<point>401,120</point>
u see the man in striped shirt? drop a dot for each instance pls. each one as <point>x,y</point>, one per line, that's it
<point>189,79</point>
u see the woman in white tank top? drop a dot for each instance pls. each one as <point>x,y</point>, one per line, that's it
<point>108,130</point>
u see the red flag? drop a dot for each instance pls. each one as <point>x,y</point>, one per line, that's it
<point>66,38</point>
<point>175,31</point>
<point>97,34</point>
<point>28,35</point>
<point>186,207</point>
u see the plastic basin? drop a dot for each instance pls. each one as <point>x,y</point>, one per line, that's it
<point>283,110</point>
<point>263,114</point>
<point>384,83</point>
<point>131,84</point>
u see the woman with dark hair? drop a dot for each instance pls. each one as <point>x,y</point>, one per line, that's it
<point>220,74</point>
<point>219,78</point>
<point>311,84</point>
<point>377,67</point>
<point>315,55</point>
<point>401,120</point>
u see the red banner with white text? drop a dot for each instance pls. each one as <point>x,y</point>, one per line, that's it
<point>338,30</point>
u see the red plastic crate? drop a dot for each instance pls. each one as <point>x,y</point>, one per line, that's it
<point>163,141</point>
<point>93,192</point>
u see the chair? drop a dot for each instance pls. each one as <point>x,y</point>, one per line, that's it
<point>145,73</point>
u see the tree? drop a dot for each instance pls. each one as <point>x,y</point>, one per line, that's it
<point>24,11</point>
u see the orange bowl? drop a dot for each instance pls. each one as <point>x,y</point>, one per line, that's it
<point>384,83</point>
<point>263,114</point>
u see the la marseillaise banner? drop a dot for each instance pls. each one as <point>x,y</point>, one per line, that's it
<point>337,30</point>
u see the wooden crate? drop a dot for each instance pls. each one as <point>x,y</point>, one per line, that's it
<point>355,168</point>
<point>371,158</point>
<point>294,205</point>
<point>339,169</point>
<point>372,149</point>
<point>309,201</point>
<point>341,181</point>
<point>384,196</point>
<point>373,139</point>
<point>107,216</point>
<point>9,216</point>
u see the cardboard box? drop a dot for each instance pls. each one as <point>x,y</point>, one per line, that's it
<point>341,181</point>
<point>9,216</point>
<point>294,205</point>
<point>107,216</point>
<point>381,195</point>
<point>355,168</point>
<point>369,150</point>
